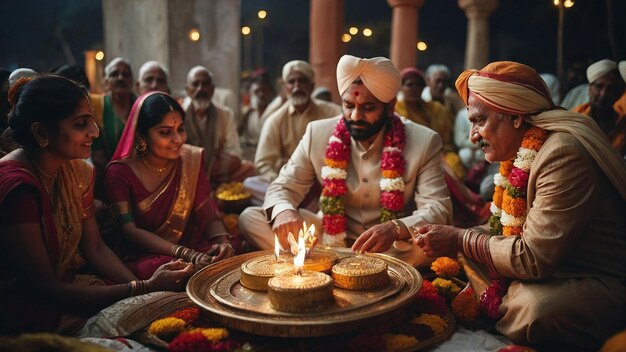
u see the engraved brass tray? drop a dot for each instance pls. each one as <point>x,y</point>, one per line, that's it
<point>216,288</point>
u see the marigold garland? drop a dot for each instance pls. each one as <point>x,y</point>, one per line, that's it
<point>509,208</point>
<point>334,176</point>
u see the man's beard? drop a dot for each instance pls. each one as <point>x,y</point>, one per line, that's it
<point>201,101</point>
<point>299,99</point>
<point>370,130</point>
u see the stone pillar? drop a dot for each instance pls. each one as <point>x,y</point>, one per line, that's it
<point>325,28</point>
<point>477,44</point>
<point>404,32</point>
<point>142,30</point>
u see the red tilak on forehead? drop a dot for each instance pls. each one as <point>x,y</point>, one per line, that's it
<point>356,94</point>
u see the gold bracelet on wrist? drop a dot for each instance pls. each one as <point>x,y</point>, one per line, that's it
<point>396,223</point>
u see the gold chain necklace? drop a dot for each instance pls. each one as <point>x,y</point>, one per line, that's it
<point>50,177</point>
<point>152,168</point>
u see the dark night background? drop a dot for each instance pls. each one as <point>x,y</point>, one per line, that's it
<point>42,34</point>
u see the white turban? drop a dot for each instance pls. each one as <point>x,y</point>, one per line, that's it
<point>599,69</point>
<point>622,69</point>
<point>21,73</point>
<point>300,66</point>
<point>378,74</point>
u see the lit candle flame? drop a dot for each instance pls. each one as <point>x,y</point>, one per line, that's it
<point>276,247</point>
<point>298,261</point>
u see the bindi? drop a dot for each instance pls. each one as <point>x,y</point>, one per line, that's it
<point>356,94</point>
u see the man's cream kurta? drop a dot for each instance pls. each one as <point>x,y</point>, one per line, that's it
<point>283,130</point>
<point>426,197</point>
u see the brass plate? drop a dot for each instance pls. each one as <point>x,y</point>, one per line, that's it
<point>229,291</point>
<point>261,321</point>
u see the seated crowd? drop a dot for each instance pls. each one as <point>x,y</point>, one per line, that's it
<point>104,197</point>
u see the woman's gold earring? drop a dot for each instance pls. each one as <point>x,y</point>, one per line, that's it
<point>141,147</point>
<point>43,142</point>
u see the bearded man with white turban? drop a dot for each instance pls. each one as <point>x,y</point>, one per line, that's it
<point>557,229</point>
<point>605,89</point>
<point>283,129</point>
<point>381,174</point>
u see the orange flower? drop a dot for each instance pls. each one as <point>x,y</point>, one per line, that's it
<point>338,164</point>
<point>511,230</point>
<point>505,168</point>
<point>444,266</point>
<point>465,306</point>
<point>391,174</point>
<point>498,193</point>
<point>514,206</point>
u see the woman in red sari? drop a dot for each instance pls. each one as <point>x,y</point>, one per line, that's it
<point>47,228</point>
<point>157,186</point>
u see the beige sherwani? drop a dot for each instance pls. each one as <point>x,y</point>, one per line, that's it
<point>570,262</point>
<point>426,197</point>
<point>282,131</point>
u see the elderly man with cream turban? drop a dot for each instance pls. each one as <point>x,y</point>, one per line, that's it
<point>605,89</point>
<point>381,174</point>
<point>557,229</point>
<point>283,129</point>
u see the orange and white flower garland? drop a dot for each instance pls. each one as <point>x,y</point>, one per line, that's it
<point>509,204</point>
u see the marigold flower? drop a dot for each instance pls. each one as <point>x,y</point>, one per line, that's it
<point>505,168</point>
<point>213,334</point>
<point>189,315</point>
<point>512,231</point>
<point>338,164</point>
<point>434,321</point>
<point>444,266</point>
<point>465,306</point>
<point>391,174</point>
<point>397,342</point>
<point>498,193</point>
<point>514,206</point>
<point>167,326</point>
<point>446,288</point>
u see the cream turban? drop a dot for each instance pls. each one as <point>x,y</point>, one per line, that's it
<point>300,66</point>
<point>622,69</point>
<point>378,74</point>
<point>599,69</point>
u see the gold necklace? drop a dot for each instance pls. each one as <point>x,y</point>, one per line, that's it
<point>40,171</point>
<point>152,168</point>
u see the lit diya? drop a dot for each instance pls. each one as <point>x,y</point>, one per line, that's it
<point>361,273</point>
<point>300,291</point>
<point>256,272</point>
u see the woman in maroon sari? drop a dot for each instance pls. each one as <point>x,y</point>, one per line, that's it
<point>157,186</point>
<point>47,228</point>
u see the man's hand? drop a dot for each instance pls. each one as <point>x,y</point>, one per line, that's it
<point>285,222</point>
<point>439,240</point>
<point>378,238</point>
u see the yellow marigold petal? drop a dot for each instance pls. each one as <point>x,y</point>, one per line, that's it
<point>398,342</point>
<point>167,326</point>
<point>434,321</point>
<point>444,266</point>
<point>213,334</point>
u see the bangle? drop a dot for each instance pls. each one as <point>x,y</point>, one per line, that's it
<point>129,289</point>
<point>398,228</point>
